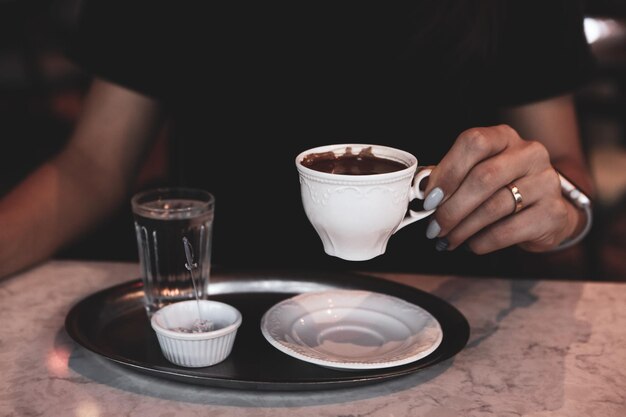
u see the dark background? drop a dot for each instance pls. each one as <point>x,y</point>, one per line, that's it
<point>41,96</point>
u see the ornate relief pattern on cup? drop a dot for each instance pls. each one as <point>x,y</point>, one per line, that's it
<point>319,194</point>
<point>320,191</point>
<point>356,179</point>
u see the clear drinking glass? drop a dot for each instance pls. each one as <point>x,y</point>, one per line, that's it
<point>163,217</point>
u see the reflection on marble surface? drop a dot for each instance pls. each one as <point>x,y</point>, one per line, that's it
<point>537,348</point>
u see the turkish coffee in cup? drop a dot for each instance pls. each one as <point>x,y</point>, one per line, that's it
<point>350,163</point>
<point>357,196</point>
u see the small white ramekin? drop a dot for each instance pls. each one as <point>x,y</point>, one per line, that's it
<point>196,349</point>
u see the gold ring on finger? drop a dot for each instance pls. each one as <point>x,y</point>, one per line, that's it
<point>517,197</point>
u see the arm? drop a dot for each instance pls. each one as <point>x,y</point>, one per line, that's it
<point>476,206</point>
<point>80,186</point>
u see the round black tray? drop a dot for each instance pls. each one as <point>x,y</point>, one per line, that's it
<point>113,324</point>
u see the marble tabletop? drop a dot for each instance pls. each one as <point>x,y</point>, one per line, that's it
<point>537,348</point>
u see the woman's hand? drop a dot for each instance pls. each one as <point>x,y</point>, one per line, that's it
<point>475,206</point>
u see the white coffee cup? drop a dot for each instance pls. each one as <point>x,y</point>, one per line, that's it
<point>355,215</point>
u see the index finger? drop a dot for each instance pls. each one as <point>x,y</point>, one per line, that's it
<point>470,148</point>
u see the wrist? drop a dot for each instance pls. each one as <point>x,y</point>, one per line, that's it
<point>583,216</point>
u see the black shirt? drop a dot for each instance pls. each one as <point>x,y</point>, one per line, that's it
<point>250,86</point>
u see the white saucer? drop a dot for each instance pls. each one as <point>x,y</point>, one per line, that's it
<point>351,329</point>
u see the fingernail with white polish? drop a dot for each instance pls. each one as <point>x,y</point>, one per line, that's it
<point>433,229</point>
<point>433,199</point>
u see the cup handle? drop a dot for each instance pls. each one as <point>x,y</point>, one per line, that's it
<point>416,193</point>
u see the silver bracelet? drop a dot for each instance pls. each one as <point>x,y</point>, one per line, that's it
<point>582,202</point>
